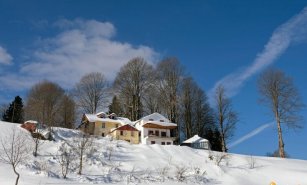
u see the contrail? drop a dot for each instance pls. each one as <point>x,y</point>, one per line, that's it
<point>251,134</point>
<point>292,31</point>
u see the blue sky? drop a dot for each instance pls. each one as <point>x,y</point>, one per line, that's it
<point>217,42</point>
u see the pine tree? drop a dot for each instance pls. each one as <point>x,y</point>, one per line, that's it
<point>14,113</point>
<point>115,106</point>
<point>213,135</point>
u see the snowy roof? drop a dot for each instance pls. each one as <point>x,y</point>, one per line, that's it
<point>31,121</point>
<point>195,139</point>
<point>161,123</point>
<point>125,127</point>
<point>99,113</point>
<point>156,119</point>
<point>125,120</point>
<point>95,118</point>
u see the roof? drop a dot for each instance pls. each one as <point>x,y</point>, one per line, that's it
<point>155,116</point>
<point>125,127</point>
<point>31,121</point>
<point>95,118</point>
<point>195,139</point>
<point>161,123</point>
<point>156,119</point>
<point>100,113</point>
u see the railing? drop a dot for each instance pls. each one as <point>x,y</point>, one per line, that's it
<point>159,136</point>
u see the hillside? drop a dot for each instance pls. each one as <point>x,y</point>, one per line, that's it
<point>154,164</point>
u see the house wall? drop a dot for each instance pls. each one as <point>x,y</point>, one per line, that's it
<point>201,145</point>
<point>146,139</point>
<point>167,141</point>
<point>99,131</point>
<point>146,131</point>
<point>88,127</point>
<point>126,136</point>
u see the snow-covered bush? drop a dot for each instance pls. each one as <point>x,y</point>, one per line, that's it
<point>181,172</point>
<point>251,162</point>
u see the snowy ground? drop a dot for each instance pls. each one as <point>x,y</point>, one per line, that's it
<point>154,164</point>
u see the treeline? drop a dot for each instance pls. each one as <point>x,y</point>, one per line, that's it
<point>139,89</point>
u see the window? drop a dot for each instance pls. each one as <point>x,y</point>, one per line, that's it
<point>150,132</point>
<point>116,125</point>
<point>157,133</point>
<point>132,133</point>
<point>121,133</point>
<point>163,134</point>
<point>162,143</point>
<point>102,134</point>
<point>150,119</point>
<point>103,125</point>
<point>153,142</point>
<point>168,143</point>
<point>161,120</point>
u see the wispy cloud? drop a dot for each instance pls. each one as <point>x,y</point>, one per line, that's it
<point>251,134</point>
<point>294,30</point>
<point>80,46</point>
<point>5,57</point>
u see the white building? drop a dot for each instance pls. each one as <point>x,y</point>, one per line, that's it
<point>197,142</point>
<point>156,129</point>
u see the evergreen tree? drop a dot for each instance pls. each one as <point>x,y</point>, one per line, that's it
<point>14,113</point>
<point>115,106</point>
<point>213,135</point>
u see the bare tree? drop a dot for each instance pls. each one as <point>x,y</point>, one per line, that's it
<point>281,96</point>
<point>188,99</point>
<point>204,115</point>
<point>81,147</point>
<point>226,118</point>
<point>170,73</point>
<point>152,99</point>
<point>131,82</point>
<point>14,149</point>
<point>38,140</point>
<point>67,112</point>
<point>197,114</point>
<point>65,159</point>
<point>91,92</point>
<point>43,103</point>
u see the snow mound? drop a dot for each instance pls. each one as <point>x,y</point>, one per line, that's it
<point>59,134</point>
<point>118,162</point>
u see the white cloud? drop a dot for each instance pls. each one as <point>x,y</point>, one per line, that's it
<point>5,57</point>
<point>294,30</point>
<point>251,134</point>
<point>82,46</point>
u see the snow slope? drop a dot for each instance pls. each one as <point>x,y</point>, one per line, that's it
<point>153,164</point>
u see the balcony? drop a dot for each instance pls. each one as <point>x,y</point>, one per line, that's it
<point>154,136</point>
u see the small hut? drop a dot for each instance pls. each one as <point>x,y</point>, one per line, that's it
<point>197,142</point>
<point>30,125</point>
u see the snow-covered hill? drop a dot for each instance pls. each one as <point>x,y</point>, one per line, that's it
<point>154,164</point>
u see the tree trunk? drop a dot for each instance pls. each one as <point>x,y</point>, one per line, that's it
<point>17,179</point>
<point>36,147</point>
<point>280,140</point>
<point>224,149</point>
<point>81,163</point>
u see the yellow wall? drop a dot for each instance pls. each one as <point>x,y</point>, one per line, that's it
<point>108,126</point>
<point>126,136</point>
<point>96,129</point>
<point>88,127</point>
